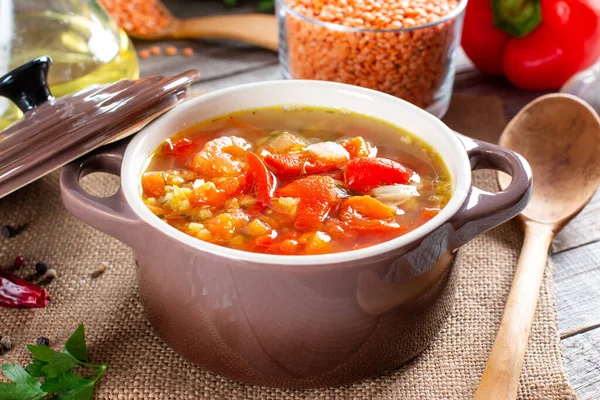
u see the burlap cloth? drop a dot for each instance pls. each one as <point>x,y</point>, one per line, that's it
<point>143,367</point>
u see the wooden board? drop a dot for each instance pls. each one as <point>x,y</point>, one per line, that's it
<point>580,355</point>
<point>576,288</point>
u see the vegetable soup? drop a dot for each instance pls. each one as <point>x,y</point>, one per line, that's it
<point>295,181</point>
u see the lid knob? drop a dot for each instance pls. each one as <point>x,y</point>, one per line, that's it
<point>27,85</point>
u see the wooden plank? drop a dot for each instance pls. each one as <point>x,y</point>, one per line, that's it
<point>263,73</point>
<point>583,229</point>
<point>581,354</point>
<point>576,283</point>
<point>214,59</point>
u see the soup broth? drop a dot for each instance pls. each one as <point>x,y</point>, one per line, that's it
<point>295,181</point>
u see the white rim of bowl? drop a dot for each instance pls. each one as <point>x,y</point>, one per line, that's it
<point>130,183</point>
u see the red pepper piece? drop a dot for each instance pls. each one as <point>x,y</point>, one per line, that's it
<point>364,174</point>
<point>263,179</point>
<point>317,194</point>
<point>292,165</point>
<point>18,293</point>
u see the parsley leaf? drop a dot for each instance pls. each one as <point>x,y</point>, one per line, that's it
<point>35,368</point>
<point>25,386</point>
<point>57,362</point>
<point>65,382</point>
<point>75,345</point>
<point>56,369</point>
<point>83,393</point>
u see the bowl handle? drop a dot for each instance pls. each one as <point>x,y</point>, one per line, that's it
<point>484,210</point>
<point>111,215</point>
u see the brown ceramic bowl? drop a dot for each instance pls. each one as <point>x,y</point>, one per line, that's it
<point>298,321</point>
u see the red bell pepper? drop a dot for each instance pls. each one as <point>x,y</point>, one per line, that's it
<point>18,293</point>
<point>262,178</point>
<point>364,174</point>
<point>536,44</point>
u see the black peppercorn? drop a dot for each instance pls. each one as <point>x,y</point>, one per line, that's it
<point>5,344</point>
<point>43,341</point>
<point>8,231</point>
<point>41,268</point>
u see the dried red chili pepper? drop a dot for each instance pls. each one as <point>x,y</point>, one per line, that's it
<point>18,293</point>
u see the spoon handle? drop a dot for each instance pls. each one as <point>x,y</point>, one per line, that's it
<point>257,29</point>
<point>501,375</point>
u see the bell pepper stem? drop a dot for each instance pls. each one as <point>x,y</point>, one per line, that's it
<point>517,17</point>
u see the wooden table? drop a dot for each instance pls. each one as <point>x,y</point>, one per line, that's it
<point>575,251</point>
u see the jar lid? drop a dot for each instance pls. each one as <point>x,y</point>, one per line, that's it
<point>54,132</point>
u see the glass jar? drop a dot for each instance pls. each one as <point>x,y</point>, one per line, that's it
<point>414,63</point>
<point>85,45</point>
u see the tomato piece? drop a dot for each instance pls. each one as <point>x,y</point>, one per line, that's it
<point>292,165</point>
<point>184,147</point>
<point>226,225</point>
<point>285,165</point>
<point>370,207</point>
<point>366,214</point>
<point>363,174</point>
<point>339,230</point>
<point>216,193</point>
<point>288,246</point>
<point>263,180</point>
<point>221,157</point>
<point>429,213</point>
<point>359,147</point>
<point>153,184</point>
<point>317,194</point>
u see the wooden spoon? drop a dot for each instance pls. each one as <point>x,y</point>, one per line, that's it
<point>559,135</point>
<point>257,29</point>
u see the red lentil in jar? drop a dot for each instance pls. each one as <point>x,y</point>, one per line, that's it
<point>404,48</point>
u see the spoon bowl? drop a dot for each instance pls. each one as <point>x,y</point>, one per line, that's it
<point>559,135</point>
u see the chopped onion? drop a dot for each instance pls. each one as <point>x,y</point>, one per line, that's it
<point>286,141</point>
<point>329,151</point>
<point>395,195</point>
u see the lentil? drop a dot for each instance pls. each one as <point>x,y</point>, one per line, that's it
<point>144,54</point>
<point>155,50</point>
<point>410,64</point>
<point>171,51</point>
<point>188,51</point>
<point>144,17</point>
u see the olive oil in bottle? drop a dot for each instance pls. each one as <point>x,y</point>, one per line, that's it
<point>86,49</point>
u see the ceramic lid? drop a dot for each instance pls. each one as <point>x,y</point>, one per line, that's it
<point>54,131</point>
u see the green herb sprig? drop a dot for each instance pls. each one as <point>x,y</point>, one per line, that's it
<point>58,382</point>
<point>263,5</point>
